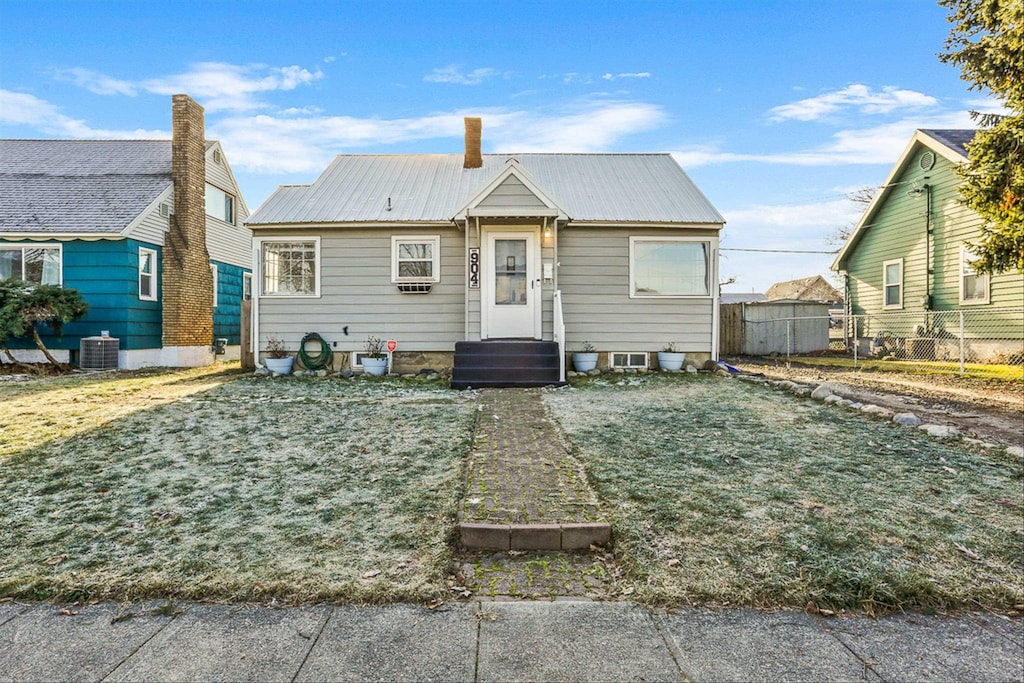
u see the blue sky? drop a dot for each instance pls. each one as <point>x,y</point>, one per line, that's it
<point>776,109</point>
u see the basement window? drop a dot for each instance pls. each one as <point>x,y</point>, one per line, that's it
<point>628,360</point>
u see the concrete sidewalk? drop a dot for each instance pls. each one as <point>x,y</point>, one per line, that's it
<point>504,641</point>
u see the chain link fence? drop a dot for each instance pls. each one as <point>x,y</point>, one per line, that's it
<point>983,336</point>
<point>944,341</point>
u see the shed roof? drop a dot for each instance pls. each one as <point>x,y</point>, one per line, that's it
<point>80,186</point>
<point>643,188</point>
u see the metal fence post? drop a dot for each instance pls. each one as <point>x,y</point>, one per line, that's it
<point>856,342</point>
<point>962,358</point>
<point>788,325</point>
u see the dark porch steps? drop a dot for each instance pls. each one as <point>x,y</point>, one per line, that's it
<point>505,364</point>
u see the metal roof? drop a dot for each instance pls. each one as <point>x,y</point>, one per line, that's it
<point>636,188</point>
<point>80,186</point>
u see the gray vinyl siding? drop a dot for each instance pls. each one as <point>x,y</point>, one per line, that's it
<point>152,227</point>
<point>594,280</point>
<point>356,292</point>
<point>226,242</point>
<point>512,193</point>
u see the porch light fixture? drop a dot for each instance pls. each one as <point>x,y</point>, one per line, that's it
<point>547,232</point>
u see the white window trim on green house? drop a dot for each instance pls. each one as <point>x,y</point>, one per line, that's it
<point>897,285</point>
<point>147,274</point>
<point>51,271</point>
<point>272,279</point>
<point>967,275</point>
<point>220,204</point>
<point>403,248</point>
<point>692,283</point>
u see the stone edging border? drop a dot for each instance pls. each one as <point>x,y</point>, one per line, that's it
<point>569,536</point>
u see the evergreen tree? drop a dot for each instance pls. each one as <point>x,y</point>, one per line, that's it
<point>987,43</point>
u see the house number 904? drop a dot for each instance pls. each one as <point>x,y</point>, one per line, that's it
<point>474,268</point>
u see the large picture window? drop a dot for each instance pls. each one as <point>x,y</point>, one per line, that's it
<point>892,284</point>
<point>669,267</point>
<point>37,263</point>
<point>220,204</point>
<point>147,274</point>
<point>290,267</point>
<point>415,259</point>
<point>973,286</point>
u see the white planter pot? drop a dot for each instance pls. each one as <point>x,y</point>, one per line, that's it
<point>670,361</point>
<point>279,366</point>
<point>375,366</point>
<point>584,362</point>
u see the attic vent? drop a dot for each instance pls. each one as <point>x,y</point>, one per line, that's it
<point>927,161</point>
<point>218,157</point>
<point>98,353</point>
<point>165,210</point>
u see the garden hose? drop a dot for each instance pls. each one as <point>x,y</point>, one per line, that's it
<point>317,361</point>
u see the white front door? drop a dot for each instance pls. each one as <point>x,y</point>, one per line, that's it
<point>511,286</point>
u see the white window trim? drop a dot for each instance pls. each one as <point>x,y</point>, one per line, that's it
<point>246,282</point>
<point>611,359</point>
<point>712,266</point>
<point>965,259</point>
<point>234,202</point>
<point>886,285</point>
<point>155,295</point>
<point>45,245</point>
<point>213,272</point>
<point>435,257</point>
<point>258,293</point>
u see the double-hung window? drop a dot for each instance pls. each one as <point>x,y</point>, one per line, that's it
<point>220,204</point>
<point>415,258</point>
<point>892,284</point>
<point>290,267</point>
<point>147,274</point>
<point>973,286</point>
<point>670,266</point>
<point>40,264</point>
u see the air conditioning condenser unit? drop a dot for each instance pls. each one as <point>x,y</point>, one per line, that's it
<point>98,353</point>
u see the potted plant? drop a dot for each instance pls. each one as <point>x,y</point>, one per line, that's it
<point>586,359</point>
<point>670,359</point>
<point>375,360</point>
<point>278,361</point>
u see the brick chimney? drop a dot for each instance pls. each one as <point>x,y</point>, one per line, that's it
<point>187,281</point>
<point>474,131</point>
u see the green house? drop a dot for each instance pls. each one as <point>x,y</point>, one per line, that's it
<point>909,284</point>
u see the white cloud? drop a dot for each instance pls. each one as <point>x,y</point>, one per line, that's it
<point>218,86</point>
<point>98,83</point>
<point>876,145</point>
<point>222,86</point>
<point>453,74</point>
<point>22,109</point>
<point>294,144</point>
<point>638,74</point>
<point>858,97</point>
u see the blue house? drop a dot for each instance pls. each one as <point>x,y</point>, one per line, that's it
<point>150,232</point>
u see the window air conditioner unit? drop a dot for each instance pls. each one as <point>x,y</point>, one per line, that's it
<point>98,353</point>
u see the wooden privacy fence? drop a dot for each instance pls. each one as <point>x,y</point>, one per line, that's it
<point>765,328</point>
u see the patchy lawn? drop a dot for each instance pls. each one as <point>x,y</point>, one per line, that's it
<point>731,493</point>
<point>209,486</point>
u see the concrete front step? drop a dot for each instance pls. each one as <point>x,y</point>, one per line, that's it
<point>569,536</point>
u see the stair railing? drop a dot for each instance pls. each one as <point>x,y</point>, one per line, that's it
<point>559,334</point>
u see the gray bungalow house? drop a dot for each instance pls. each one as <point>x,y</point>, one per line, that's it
<point>150,232</point>
<point>497,265</point>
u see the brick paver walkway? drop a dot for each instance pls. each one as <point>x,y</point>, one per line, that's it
<point>523,483</point>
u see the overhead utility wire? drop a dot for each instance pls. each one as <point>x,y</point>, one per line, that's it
<point>783,251</point>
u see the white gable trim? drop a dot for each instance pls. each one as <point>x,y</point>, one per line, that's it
<point>166,195</point>
<point>511,169</point>
<point>237,191</point>
<point>919,139</point>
